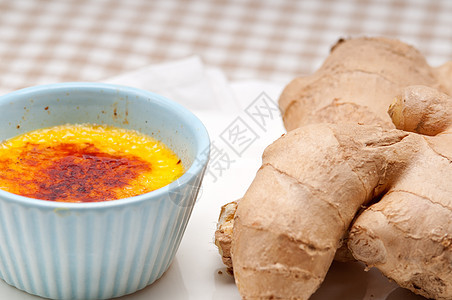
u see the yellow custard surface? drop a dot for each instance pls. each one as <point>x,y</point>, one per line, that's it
<point>85,163</point>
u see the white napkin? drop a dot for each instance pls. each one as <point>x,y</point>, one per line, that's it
<point>242,118</point>
<point>186,81</point>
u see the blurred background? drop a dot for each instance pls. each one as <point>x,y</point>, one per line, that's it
<point>88,40</point>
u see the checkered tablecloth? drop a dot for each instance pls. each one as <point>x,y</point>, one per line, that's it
<point>87,40</point>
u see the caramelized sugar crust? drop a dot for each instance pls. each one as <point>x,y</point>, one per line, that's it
<point>85,163</point>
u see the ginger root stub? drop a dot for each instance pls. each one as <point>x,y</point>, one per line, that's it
<point>342,152</point>
<point>408,234</point>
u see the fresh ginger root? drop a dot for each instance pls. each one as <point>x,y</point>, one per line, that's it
<point>407,235</point>
<point>315,179</point>
<point>223,234</point>
<point>357,83</point>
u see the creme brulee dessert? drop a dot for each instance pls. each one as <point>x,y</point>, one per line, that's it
<point>85,163</point>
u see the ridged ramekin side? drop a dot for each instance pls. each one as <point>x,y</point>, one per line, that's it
<point>90,254</point>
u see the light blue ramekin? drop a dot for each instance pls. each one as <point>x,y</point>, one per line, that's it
<point>105,249</point>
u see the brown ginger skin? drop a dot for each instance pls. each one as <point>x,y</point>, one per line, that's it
<point>281,251</point>
<point>314,179</point>
<point>357,83</point>
<point>289,223</point>
<point>407,235</point>
<point>422,110</point>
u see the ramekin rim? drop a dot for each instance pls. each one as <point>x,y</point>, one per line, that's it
<point>201,157</point>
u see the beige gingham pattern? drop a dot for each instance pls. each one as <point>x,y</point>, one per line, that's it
<point>53,41</point>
